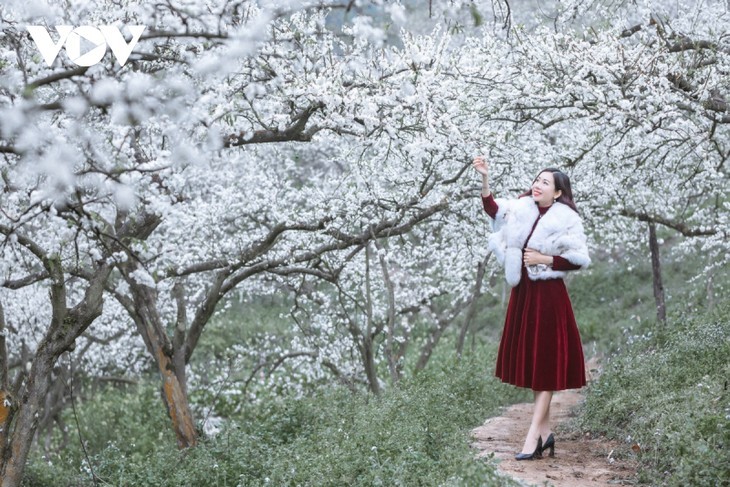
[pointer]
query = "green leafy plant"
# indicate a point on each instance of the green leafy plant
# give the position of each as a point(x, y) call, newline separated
point(666, 395)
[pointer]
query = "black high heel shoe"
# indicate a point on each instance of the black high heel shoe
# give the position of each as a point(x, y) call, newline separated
point(529, 456)
point(549, 443)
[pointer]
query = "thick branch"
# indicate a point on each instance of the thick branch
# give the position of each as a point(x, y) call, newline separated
point(26, 281)
point(294, 133)
point(204, 312)
point(390, 325)
point(386, 228)
point(8, 149)
point(255, 250)
point(687, 44)
point(178, 293)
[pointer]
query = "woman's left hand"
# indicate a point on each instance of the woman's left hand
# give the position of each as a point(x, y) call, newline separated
point(533, 257)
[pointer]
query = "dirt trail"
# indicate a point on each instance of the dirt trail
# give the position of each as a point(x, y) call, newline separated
point(578, 461)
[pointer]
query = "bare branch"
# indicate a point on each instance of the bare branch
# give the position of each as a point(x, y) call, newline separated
point(687, 44)
point(3, 354)
point(680, 227)
point(294, 133)
point(7, 149)
point(56, 77)
point(26, 281)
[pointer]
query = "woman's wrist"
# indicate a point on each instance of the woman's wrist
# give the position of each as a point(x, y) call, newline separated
point(485, 186)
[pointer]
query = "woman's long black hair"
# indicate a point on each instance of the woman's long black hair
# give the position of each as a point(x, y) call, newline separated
point(562, 183)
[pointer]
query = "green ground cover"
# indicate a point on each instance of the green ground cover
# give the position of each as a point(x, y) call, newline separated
point(413, 434)
point(665, 396)
point(663, 389)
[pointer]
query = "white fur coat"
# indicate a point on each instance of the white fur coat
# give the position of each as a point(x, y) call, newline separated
point(559, 232)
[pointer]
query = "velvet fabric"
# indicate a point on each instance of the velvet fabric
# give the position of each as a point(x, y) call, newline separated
point(540, 346)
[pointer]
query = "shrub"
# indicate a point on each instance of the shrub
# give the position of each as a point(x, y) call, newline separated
point(131, 421)
point(668, 394)
point(415, 433)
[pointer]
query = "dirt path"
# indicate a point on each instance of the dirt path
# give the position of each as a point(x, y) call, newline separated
point(578, 461)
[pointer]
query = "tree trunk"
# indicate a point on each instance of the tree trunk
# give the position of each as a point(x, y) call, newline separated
point(472, 311)
point(149, 325)
point(5, 398)
point(26, 418)
point(390, 352)
point(173, 393)
point(656, 270)
point(368, 360)
point(371, 330)
point(710, 290)
point(66, 325)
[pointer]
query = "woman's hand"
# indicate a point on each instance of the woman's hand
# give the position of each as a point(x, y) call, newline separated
point(481, 166)
point(533, 257)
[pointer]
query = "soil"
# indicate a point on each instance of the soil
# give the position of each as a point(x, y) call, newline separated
point(579, 461)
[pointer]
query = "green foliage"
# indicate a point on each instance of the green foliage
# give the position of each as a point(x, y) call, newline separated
point(668, 392)
point(611, 298)
point(131, 421)
point(413, 434)
point(615, 297)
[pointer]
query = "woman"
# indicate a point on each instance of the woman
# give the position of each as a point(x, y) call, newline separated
point(538, 238)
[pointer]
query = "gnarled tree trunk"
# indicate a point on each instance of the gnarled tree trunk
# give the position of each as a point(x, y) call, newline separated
point(171, 364)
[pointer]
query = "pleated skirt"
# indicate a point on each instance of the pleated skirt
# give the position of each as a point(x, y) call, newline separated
point(540, 346)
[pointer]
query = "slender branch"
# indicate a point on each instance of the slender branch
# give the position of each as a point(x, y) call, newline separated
point(121, 380)
point(680, 227)
point(471, 312)
point(157, 34)
point(56, 77)
point(3, 353)
point(103, 341)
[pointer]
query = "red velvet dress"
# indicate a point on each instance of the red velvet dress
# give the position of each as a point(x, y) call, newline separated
point(540, 346)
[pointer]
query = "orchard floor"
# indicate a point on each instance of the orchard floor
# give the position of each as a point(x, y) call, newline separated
point(578, 462)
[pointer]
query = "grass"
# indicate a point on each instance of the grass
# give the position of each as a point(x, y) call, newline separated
point(663, 390)
point(666, 395)
point(413, 434)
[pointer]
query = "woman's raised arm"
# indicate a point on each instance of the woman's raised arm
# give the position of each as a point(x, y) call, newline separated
point(481, 166)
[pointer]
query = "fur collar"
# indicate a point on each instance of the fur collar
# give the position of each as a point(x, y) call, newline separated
point(559, 231)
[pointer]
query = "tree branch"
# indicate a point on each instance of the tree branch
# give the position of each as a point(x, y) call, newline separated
point(56, 77)
point(680, 227)
point(294, 133)
point(26, 281)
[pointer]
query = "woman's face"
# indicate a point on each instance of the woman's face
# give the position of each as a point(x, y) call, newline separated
point(543, 189)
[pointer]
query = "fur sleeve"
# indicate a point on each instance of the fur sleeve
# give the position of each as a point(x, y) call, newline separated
point(505, 208)
point(573, 247)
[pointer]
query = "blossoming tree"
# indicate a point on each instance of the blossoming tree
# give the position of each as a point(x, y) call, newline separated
point(247, 147)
